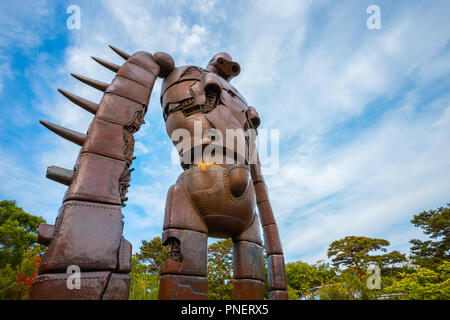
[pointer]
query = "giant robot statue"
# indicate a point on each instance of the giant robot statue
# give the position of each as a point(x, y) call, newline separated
point(216, 195)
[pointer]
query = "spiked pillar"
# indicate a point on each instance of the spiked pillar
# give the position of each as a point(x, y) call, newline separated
point(87, 235)
point(87, 105)
point(72, 136)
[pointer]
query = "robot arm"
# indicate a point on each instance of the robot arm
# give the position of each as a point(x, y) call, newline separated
point(87, 236)
point(274, 251)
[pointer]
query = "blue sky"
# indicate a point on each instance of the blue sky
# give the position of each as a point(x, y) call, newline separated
point(363, 115)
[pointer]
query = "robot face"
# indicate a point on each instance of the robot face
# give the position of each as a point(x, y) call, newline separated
point(222, 65)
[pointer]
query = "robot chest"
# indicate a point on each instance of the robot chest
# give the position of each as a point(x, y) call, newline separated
point(201, 95)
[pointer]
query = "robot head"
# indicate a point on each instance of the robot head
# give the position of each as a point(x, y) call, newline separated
point(222, 65)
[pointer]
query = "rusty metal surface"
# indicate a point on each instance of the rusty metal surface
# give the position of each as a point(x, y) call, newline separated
point(251, 234)
point(112, 109)
point(105, 139)
point(88, 229)
point(275, 259)
point(272, 240)
point(278, 295)
point(87, 235)
point(210, 198)
point(45, 233)
point(248, 289)
point(118, 287)
point(180, 212)
point(210, 191)
point(68, 134)
point(265, 213)
point(60, 175)
point(96, 179)
point(192, 248)
point(124, 257)
point(277, 280)
point(53, 286)
point(180, 287)
point(248, 261)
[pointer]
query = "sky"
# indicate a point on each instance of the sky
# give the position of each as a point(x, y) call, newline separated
point(363, 115)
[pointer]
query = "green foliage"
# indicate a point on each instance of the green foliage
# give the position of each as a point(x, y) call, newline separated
point(436, 224)
point(144, 286)
point(266, 282)
point(9, 288)
point(424, 284)
point(352, 253)
point(292, 293)
point(220, 265)
point(152, 254)
point(136, 266)
point(145, 268)
point(15, 282)
point(347, 286)
point(18, 233)
point(390, 263)
point(302, 276)
point(19, 252)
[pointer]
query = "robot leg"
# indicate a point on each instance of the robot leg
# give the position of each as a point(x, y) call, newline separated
point(248, 264)
point(184, 275)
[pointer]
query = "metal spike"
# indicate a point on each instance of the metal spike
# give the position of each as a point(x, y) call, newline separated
point(73, 136)
point(60, 175)
point(87, 105)
point(91, 82)
point(109, 65)
point(120, 52)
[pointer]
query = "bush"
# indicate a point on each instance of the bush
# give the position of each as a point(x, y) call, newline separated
point(15, 283)
point(144, 286)
point(302, 276)
point(424, 284)
point(348, 286)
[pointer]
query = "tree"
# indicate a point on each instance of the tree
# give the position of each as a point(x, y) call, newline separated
point(145, 267)
point(347, 286)
point(436, 224)
point(15, 283)
point(302, 276)
point(424, 284)
point(352, 253)
point(390, 263)
point(18, 233)
point(152, 254)
point(220, 270)
point(143, 286)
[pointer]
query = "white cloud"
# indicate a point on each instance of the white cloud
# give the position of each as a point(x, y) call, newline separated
point(307, 78)
point(379, 179)
point(140, 148)
point(24, 184)
point(205, 6)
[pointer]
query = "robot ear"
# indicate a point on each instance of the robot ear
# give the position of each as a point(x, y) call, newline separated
point(230, 68)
